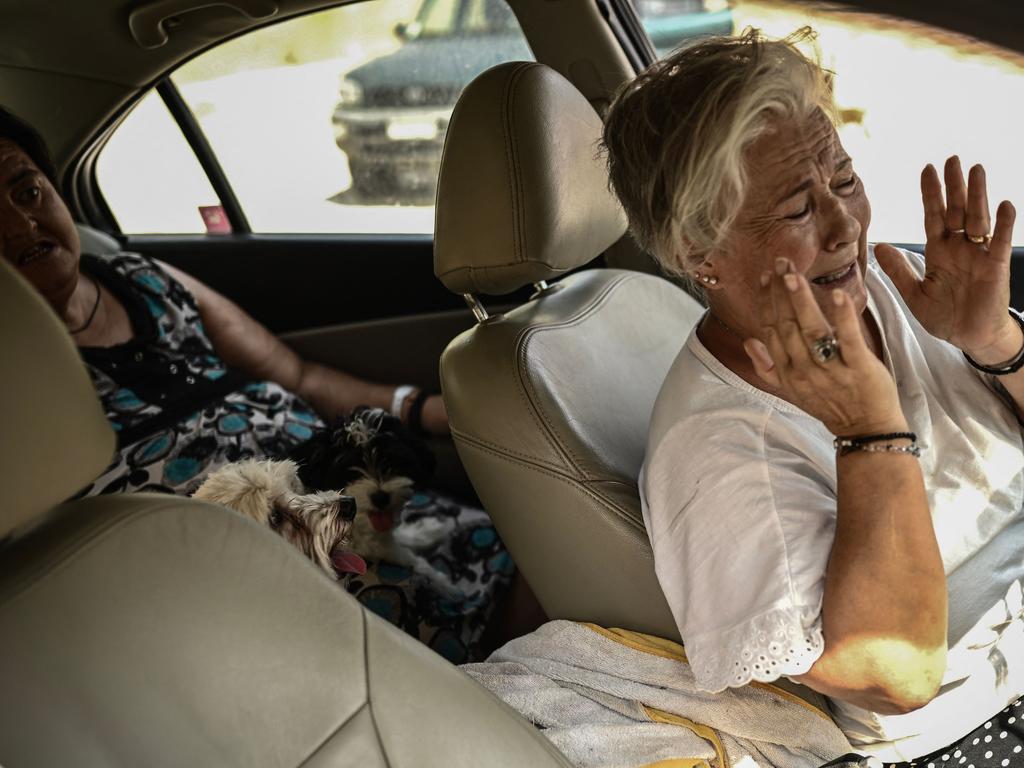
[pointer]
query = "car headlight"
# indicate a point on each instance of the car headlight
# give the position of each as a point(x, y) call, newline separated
point(350, 93)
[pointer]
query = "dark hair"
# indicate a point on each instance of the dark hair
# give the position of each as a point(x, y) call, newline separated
point(31, 142)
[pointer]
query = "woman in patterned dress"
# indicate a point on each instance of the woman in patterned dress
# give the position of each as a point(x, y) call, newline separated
point(189, 382)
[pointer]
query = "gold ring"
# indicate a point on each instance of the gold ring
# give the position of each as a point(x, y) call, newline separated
point(957, 231)
point(978, 239)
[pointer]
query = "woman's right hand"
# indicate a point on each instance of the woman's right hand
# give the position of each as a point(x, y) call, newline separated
point(853, 393)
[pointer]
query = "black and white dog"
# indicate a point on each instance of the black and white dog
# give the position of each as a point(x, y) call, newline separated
point(368, 457)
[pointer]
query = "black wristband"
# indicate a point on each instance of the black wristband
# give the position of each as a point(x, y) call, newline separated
point(415, 420)
point(1012, 366)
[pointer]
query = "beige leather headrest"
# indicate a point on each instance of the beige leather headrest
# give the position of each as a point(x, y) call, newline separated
point(55, 436)
point(523, 192)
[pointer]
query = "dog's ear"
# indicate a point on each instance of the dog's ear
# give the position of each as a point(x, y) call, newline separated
point(402, 453)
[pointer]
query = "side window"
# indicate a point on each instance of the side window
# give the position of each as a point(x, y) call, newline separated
point(148, 151)
point(334, 122)
point(892, 86)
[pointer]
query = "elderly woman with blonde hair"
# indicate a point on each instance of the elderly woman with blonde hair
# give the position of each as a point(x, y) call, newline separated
point(834, 478)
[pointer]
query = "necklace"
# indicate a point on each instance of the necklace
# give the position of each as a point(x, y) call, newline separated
point(92, 312)
point(722, 323)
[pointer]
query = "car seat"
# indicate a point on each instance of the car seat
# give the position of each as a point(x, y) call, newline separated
point(154, 630)
point(549, 403)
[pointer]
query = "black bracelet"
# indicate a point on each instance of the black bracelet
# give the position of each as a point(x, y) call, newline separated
point(1014, 364)
point(847, 445)
point(415, 420)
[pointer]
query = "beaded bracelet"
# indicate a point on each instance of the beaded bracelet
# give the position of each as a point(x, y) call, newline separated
point(1012, 365)
point(911, 449)
point(870, 443)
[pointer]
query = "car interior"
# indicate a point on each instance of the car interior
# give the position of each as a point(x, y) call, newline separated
point(146, 630)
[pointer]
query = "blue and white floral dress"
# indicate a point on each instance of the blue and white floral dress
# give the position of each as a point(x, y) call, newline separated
point(180, 412)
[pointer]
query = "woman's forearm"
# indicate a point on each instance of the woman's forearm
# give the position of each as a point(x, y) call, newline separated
point(333, 393)
point(247, 345)
point(884, 607)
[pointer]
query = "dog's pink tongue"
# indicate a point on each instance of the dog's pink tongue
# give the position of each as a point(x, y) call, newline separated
point(382, 521)
point(348, 562)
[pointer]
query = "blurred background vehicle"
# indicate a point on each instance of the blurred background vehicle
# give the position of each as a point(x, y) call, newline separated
point(393, 112)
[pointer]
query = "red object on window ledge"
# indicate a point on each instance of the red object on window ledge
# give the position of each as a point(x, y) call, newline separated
point(216, 220)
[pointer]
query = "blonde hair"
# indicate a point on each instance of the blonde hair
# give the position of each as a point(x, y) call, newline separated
point(676, 136)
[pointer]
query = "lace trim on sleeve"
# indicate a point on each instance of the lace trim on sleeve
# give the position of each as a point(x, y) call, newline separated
point(782, 641)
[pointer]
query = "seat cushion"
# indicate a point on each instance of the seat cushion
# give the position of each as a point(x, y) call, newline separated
point(158, 631)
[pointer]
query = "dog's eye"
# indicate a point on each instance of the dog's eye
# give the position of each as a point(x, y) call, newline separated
point(275, 519)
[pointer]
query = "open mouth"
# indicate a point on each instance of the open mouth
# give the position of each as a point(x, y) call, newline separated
point(36, 252)
point(838, 278)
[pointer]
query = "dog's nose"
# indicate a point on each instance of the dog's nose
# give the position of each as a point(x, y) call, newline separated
point(380, 499)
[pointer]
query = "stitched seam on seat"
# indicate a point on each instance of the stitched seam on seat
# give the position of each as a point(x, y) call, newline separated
point(534, 403)
point(331, 735)
point(514, 263)
point(369, 688)
point(76, 546)
point(525, 457)
point(508, 139)
point(515, 175)
point(571, 481)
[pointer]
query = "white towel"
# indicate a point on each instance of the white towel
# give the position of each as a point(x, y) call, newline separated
point(615, 699)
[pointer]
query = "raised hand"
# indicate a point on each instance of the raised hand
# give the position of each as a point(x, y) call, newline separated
point(852, 393)
point(965, 292)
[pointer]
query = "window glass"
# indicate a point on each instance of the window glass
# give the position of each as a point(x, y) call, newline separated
point(151, 179)
point(437, 17)
point(908, 95)
point(334, 122)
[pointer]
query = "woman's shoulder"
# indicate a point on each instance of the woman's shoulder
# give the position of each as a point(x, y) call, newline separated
point(144, 276)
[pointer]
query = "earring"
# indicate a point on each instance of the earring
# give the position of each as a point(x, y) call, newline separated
point(707, 279)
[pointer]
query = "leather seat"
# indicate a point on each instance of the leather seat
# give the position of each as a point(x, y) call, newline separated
point(550, 402)
point(160, 631)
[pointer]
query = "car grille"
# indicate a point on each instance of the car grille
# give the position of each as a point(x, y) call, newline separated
point(411, 96)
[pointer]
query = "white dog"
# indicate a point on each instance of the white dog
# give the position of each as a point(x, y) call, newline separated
point(319, 523)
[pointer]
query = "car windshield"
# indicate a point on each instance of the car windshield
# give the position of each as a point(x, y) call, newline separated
point(447, 18)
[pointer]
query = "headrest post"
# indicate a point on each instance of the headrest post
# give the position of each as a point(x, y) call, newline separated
point(478, 309)
point(540, 288)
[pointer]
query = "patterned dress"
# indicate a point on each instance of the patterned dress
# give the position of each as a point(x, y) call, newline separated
point(180, 412)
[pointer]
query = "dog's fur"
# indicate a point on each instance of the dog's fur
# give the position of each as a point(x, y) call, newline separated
point(368, 456)
point(271, 493)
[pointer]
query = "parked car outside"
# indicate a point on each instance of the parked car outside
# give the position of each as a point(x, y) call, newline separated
point(393, 112)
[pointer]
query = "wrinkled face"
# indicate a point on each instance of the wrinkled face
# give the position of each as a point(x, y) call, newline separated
point(805, 203)
point(37, 234)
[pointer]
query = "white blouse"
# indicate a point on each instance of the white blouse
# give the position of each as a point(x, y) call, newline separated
point(739, 494)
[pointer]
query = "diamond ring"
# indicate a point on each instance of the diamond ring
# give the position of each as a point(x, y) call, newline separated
point(825, 349)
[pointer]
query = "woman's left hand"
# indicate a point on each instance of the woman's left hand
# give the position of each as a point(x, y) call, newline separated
point(965, 292)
